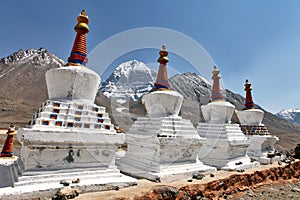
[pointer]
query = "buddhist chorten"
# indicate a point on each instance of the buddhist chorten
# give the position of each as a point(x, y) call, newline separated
point(71, 137)
point(261, 142)
point(162, 146)
point(10, 168)
point(225, 143)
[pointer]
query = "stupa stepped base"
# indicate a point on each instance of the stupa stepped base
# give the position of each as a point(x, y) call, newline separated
point(221, 131)
point(163, 126)
point(225, 147)
point(47, 183)
point(261, 146)
point(162, 149)
point(56, 149)
point(167, 173)
point(67, 114)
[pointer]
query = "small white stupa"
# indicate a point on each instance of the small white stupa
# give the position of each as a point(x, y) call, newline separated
point(225, 146)
point(261, 141)
point(162, 146)
point(70, 137)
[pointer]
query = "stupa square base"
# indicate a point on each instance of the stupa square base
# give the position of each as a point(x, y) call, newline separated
point(47, 183)
point(56, 149)
point(166, 173)
point(261, 146)
point(162, 149)
point(226, 155)
point(225, 147)
point(10, 171)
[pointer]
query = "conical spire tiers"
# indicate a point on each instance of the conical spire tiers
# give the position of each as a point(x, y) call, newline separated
point(216, 91)
point(249, 102)
point(162, 81)
point(79, 52)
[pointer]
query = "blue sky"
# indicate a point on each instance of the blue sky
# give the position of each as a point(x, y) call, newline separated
point(258, 40)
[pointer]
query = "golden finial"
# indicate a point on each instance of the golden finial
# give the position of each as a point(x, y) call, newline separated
point(82, 22)
point(163, 59)
point(216, 72)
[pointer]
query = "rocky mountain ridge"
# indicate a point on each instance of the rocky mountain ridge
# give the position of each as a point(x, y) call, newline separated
point(38, 57)
point(23, 86)
point(291, 115)
point(23, 89)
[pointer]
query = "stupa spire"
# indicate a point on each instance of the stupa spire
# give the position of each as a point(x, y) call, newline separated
point(249, 102)
point(79, 52)
point(162, 81)
point(216, 94)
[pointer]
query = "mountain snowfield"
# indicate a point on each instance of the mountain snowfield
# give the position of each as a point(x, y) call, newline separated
point(130, 80)
point(291, 115)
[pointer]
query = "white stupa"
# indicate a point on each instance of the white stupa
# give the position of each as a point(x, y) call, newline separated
point(261, 141)
point(162, 146)
point(70, 137)
point(225, 146)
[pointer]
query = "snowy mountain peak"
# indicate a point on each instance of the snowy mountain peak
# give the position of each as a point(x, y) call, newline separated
point(39, 57)
point(130, 79)
point(291, 115)
point(127, 67)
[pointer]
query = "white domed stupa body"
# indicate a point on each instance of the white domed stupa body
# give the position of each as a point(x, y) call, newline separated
point(251, 117)
point(218, 112)
point(72, 83)
point(162, 103)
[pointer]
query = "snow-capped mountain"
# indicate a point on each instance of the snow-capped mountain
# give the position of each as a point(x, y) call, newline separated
point(130, 79)
point(291, 115)
point(23, 89)
point(38, 57)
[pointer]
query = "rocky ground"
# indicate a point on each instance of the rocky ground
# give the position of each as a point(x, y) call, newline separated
point(268, 182)
point(280, 191)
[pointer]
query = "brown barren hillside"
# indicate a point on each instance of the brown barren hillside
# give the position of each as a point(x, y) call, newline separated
point(23, 89)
